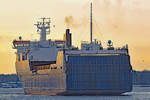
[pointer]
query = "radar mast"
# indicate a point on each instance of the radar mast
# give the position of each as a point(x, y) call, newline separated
point(43, 28)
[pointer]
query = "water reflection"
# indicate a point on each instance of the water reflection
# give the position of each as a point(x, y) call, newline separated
point(139, 93)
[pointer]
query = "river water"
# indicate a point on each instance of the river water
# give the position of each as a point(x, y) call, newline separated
point(138, 93)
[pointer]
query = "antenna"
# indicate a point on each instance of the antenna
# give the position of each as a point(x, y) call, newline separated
point(91, 24)
point(43, 27)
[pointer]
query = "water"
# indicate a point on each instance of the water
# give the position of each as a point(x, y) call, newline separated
point(139, 93)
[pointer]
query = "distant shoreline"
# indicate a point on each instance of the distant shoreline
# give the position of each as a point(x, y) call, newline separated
point(141, 85)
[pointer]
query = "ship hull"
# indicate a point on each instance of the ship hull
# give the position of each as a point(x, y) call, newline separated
point(83, 76)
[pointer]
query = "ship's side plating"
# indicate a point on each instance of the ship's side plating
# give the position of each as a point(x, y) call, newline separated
point(99, 74)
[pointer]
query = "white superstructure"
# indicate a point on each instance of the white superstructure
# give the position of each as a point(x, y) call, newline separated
point(43, 50)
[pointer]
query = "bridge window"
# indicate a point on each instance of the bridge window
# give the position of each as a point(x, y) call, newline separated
point(22, 45)
point(26, 45)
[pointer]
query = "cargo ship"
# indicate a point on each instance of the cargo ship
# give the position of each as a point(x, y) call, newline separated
point(56, 67)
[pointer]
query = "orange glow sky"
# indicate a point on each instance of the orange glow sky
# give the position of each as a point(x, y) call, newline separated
point(122, 21)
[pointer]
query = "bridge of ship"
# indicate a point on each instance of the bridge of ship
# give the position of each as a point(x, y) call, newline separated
point(29, 44)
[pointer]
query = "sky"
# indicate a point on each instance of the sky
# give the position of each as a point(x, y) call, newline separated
point(122, 21)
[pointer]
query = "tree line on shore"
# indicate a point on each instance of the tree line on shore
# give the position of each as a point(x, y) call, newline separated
point(139, 78)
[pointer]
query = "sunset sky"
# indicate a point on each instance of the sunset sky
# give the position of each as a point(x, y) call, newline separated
point(122, 21)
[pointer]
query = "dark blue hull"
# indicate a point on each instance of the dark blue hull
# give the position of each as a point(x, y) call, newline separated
point(104, 74)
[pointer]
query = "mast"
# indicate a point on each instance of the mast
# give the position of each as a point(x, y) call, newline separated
point(91, 24)
point(43, 27)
